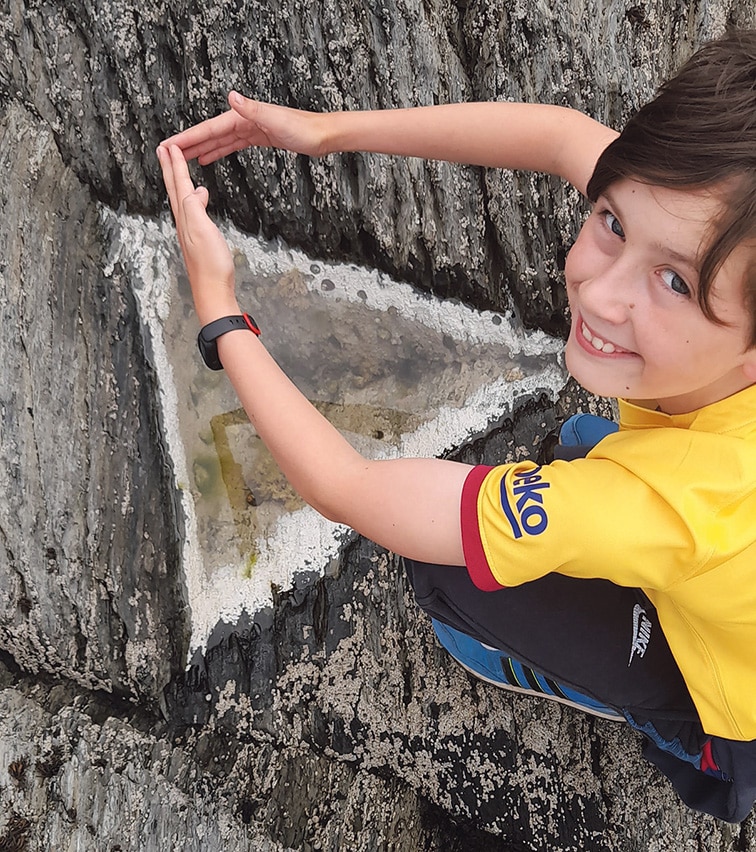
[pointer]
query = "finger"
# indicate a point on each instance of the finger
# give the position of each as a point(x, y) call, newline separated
point(203, 195)
point(181, 178)
point(166, 166)
point(195, 136)
point(246, 107)
point(210, 146)
point(193, 152)
point(195, 204)
point(221, 151)
point(194, 208)
point(177, 209)
point(203, 240)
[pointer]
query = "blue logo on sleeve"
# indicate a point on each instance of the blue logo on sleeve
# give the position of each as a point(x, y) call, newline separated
point(527, 515)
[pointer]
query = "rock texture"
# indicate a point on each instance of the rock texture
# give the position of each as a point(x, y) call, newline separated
point(92, 584)
point(331, 721)
point(110, 79)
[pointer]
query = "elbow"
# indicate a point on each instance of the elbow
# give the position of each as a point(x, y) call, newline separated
point(334, 508)
point(329, 512)
point(338, 496)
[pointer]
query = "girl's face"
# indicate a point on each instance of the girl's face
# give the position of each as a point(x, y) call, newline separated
point(637, 330)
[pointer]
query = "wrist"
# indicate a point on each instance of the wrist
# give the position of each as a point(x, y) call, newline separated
point(213, 309)
point(328, 126)
point(207, 339)
point(344, 131)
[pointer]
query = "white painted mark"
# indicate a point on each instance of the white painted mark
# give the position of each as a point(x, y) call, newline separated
point(400, 373)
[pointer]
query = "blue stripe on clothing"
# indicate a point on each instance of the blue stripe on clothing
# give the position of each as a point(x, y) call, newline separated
point(507, 509)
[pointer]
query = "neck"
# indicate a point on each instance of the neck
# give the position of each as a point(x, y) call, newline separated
point(686, 403)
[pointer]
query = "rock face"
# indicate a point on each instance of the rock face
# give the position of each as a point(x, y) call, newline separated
point(93, 588)
point(111, 79)
point(330, 720)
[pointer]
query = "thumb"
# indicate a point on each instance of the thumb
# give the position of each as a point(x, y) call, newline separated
point(246, 107)
point(196, 202)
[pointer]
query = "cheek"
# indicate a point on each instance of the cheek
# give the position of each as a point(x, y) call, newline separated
point(570, 263)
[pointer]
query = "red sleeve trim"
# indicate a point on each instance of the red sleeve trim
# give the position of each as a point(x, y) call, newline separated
point(472, 546)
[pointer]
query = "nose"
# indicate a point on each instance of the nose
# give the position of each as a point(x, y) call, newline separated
point(607, 289)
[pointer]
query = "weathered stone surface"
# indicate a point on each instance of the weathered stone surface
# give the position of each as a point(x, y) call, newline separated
point(111, 79)
point(333, 720)
point(89, 557)
point(367, 737)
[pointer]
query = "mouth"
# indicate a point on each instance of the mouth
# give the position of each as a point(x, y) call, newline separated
point(593, 343)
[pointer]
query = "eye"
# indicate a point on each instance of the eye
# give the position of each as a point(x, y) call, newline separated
point(674, 282)
point(613, 223)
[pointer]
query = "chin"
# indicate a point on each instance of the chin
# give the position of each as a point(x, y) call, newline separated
point(586, 374)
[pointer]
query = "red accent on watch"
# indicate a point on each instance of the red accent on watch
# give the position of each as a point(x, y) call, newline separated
point(251, 325)
point(209, 334)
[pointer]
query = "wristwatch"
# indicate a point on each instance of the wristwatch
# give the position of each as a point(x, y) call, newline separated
point(209, 334)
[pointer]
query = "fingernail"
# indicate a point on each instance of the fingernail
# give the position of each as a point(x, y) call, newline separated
point(237, 98)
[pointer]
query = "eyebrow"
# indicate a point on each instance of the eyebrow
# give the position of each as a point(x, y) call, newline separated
point(693, 262)
point(689, 260)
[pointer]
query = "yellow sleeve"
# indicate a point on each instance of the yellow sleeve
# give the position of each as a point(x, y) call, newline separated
point(590, 517)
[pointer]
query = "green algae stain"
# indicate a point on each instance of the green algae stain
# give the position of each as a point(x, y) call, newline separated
point(249, 566)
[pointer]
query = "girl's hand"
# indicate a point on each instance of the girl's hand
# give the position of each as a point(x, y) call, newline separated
point(251, 122)
point(207, 257)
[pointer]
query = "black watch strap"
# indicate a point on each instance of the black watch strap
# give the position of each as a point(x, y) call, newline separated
point(209, 334)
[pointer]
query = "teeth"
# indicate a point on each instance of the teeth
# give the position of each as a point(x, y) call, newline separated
point(597, 342)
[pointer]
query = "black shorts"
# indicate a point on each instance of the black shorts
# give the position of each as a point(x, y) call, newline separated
point(598, 638)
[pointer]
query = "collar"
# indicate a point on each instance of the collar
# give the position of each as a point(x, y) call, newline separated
point(736, 413)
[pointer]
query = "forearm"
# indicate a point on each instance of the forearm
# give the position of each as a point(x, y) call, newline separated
point(533, 137)
point(307, 448)
point(410, 506)
point(407, 505)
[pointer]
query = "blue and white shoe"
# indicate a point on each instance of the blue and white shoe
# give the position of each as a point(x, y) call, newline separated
point(496, 668)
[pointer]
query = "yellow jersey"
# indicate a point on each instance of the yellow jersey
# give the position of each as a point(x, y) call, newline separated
point(666, 504)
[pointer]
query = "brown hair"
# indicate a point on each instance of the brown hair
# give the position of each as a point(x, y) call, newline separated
point(700, 131)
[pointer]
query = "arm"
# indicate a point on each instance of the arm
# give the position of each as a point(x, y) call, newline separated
point(410, 506)
point(534, 137)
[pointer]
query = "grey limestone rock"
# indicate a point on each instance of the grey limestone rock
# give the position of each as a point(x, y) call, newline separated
point(111, 79)
point(89, 532)
point(330, 720)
